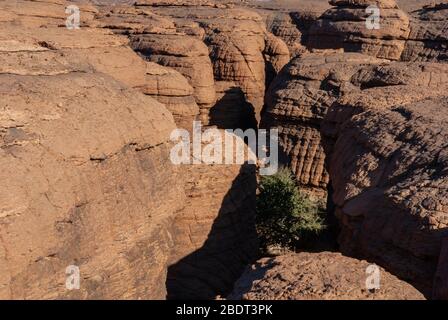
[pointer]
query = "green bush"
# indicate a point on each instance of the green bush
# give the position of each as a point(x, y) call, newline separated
point(285, 216)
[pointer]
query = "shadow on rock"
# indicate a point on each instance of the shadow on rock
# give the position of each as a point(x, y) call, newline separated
point(231, 245)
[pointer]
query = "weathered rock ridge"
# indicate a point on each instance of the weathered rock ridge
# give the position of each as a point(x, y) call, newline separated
point(336, 106)
point(87, 176)
point(296, 103)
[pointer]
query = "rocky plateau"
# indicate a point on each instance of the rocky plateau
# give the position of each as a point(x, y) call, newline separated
point(86, 121)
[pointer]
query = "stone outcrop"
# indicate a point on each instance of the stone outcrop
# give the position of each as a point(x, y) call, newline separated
point(109, 201)
point(185, 54)
point(296, 103)
point(172, 89)
point(344, 26)
point(419, 36)
point(85, 122)
point(428, 38)
point(36, 14)
point(317, 276)
point(132, 20)
point(241, 50)
point(390, 196)
point(103, 201)
point(292, 27)
point(377, 176)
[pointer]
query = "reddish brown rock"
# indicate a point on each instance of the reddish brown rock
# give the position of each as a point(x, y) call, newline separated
point(97, 201)
point(387, 168)
point(172, 89)
point(298, 100)
point(132, 20)
point(42, 13)
point(240, 48)
point(428, 38)
point(187, 55)
point(215, 234)
point(292, 27)
point(124, 139)
point(317, 276)
point(344, 26)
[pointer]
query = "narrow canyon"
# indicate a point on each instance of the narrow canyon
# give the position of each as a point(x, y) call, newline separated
point(86, 118)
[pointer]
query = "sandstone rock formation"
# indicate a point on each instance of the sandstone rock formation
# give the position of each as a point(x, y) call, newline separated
point(428, 37)
point(85, 123)
point(292, 27)
point(185, 54)
point(172, 89)
point(320, 95)
point(102, 201)
point(420, 36)
point(390, 196)
point(42, 13)
point(298, 100)
point(344, 26)
point(241, 50)
point(317, 276)
point(132, 20)
point(110, 200)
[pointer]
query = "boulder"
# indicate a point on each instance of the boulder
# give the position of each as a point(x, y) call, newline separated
point(318, 276)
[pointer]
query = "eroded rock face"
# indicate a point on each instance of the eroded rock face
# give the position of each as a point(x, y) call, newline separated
point(185, 54)
point(390, 195)
point(172, 89)
point(36, 14)
point(236, 49)
point(344, 26)
point(418, 37)
point(317, 276)
point(296, 103)
point(126, 19)
point(381, 170)
point(292, 27)
point(105, 209)
point(97, 201)
point(240, 49)
point(428, 38)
